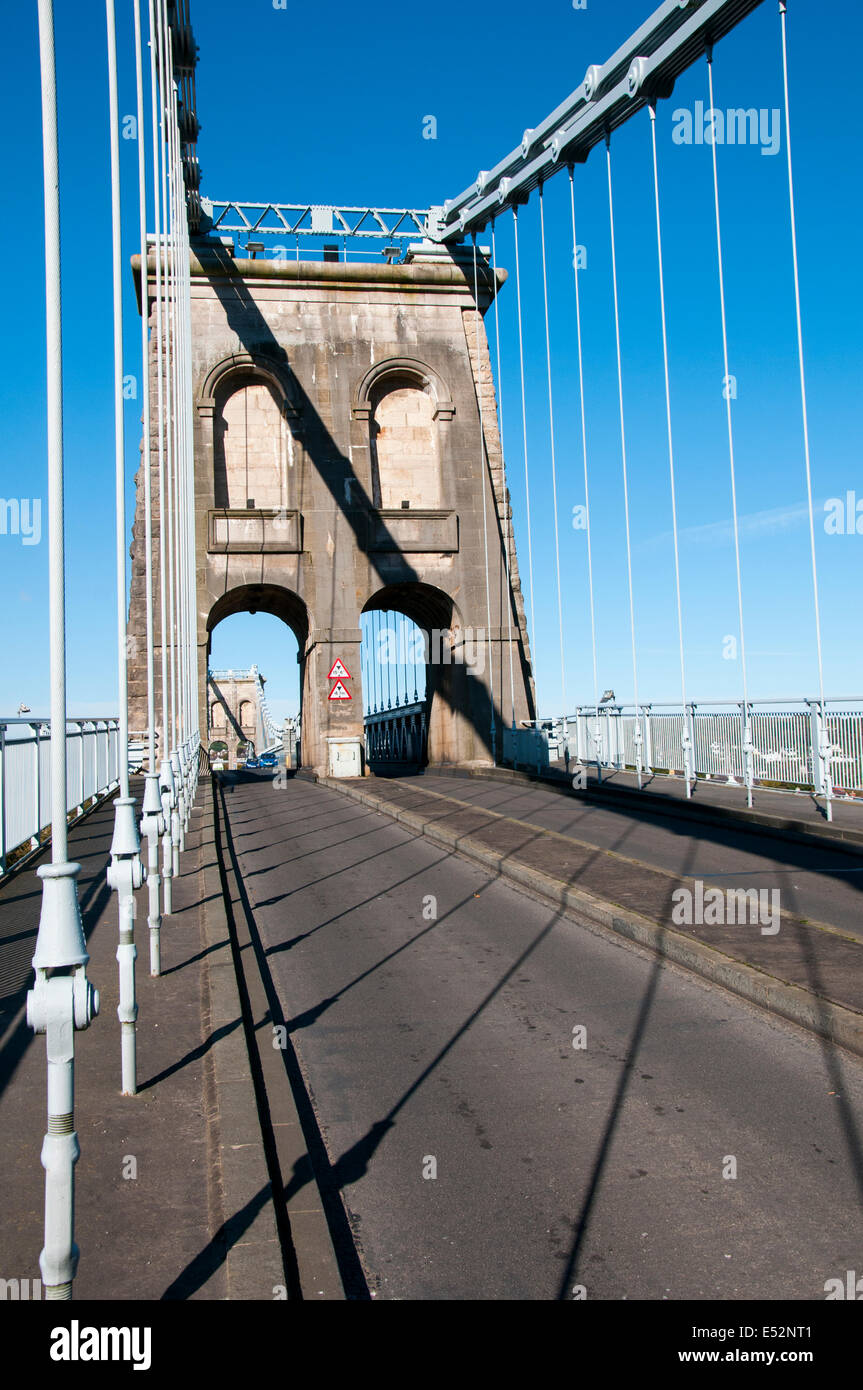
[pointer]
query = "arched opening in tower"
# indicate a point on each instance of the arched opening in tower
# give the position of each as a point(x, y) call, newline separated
point(416, 685)
point(253, 691)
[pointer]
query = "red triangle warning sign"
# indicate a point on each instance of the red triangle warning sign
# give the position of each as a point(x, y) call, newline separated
point(339, 692)
point(339, 671)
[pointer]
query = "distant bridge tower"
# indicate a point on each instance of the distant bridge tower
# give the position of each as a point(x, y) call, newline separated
point(237, 711)
point(341, 469)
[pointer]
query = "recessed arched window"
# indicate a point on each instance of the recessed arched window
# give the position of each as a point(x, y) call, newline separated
point(404, 445)
point(247, 714)
point(250, 446)
point(217, 716)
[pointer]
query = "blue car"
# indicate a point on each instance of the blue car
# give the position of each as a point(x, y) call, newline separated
point(268, 760)
point(252, 762)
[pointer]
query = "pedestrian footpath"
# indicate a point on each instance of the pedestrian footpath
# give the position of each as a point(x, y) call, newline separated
point(146, 1195)
point(806, 971)
point(796, 814)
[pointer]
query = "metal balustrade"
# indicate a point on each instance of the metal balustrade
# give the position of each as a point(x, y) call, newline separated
point(92, 770)
point(398, 735)
point(785, 742)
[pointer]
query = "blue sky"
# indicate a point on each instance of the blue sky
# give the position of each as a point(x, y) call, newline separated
point(328, 105)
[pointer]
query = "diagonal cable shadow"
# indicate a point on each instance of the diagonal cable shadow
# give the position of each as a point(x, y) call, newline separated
point(315, 1163)
point(212, 1257)
point(353, 1164)
point(194, 1056)
point(324, 878)
point(582, 1223)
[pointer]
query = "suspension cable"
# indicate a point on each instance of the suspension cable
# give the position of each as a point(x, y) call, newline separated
point(175, 387)
point(623, 454)
point(727, 394)
point(686, 738)
point(553, 464)
point(168, 782)
point(584, 454)
point(524, 426)
point(57, 1006)
point(483, 461)
point(54, 427)
point(145, 373)
point(176, 414)
point(160, 383)
point(170, 412)
point(183, 430)
point(507, 519)
point(119, 433)
point(824, 753)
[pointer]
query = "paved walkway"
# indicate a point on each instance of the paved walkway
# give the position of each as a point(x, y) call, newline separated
point(609, 865)
point(795, 809)
point(146, 1206)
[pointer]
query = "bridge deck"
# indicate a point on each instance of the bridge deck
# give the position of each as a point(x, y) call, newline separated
point(449, 1038)
point(430, 1006)
point(635, 862)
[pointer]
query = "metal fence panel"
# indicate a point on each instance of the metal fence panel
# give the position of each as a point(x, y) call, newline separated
point(19, 774)
point(782, 740)
point(845, 730)
point(92, 760)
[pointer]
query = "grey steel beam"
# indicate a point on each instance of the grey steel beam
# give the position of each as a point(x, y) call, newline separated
point(642, 70)
point(312, 219)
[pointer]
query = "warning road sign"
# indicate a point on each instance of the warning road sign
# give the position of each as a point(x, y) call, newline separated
point(339, 692)
point(339, 671)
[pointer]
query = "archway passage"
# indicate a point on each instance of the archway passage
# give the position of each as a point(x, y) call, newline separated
point(423, 677)
point(253, 676)
point(395, 705)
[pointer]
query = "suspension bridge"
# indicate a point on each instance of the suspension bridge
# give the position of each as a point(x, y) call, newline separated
point(624, 902)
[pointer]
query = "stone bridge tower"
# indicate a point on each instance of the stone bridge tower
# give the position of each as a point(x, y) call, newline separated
point(235, 716)
point(340, 468)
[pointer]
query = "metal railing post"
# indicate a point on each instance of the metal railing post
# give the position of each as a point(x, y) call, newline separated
point(168, 799)
point(688, 732)
point(638, 741)
point(62, 1000)
point(648, 742)
point(34, 841)
point(825, 755)
point(83, 761)
point(748, 749)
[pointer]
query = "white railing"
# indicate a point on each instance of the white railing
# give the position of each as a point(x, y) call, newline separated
point(784, 741)
point(92, 769)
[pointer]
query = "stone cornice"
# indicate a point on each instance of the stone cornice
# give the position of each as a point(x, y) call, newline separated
point(211, 264)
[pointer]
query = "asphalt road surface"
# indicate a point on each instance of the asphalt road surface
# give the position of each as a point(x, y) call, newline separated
point(815, 882)
point(480, 1153)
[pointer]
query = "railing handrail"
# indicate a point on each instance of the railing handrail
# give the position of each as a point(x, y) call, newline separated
point(70, 719)
point(792, 700)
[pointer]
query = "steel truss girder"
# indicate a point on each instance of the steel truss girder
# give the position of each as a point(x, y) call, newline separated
point(312, 219)
point(642, 70)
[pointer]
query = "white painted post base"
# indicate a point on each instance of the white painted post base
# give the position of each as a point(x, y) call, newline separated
point(58, 1006)
point(152, 827)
